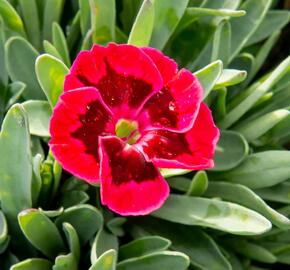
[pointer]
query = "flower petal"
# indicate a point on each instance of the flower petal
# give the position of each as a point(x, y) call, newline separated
point(130, 185)
point(77, 121)
point(191, 150)
point(175, 107)
point(166, 66)
point(125, 76)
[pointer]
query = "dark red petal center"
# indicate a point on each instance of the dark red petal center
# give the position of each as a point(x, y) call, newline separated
point(93, 125)
point(133, 90)
point(128, 164)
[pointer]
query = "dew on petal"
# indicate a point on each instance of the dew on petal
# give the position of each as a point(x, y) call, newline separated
point(172, 106)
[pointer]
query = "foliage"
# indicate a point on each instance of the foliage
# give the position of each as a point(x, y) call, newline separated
point(234, 216)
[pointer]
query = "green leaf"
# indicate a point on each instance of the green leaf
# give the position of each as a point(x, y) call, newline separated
point(263, 169)
point(231, 150)
point(220, 109)
point(73, 35)
point(50, 74)
point(143, 246)
point(31, 21)
point(103, 13)
point(115, 226)
point(11, 18)
point(209, 75)
point(262, 55)
point(204, 253)
point(20, 57)
point(244, 27)
point(251, 250)
point(160, 260)
point(198, 184)
point(59, 42)
point(248, 198)
point(246, 62)
point(237, 112)
point(76, 215)
point(50, 49)
point(252, 130)
point(167, 16)
point(71, 260)
point(72, 239)
point(222, 42)
point(192, 14)
point(107, 261)
point(41, 232)
point(225, 216)
point(3, 72)
point(52, 213)
point(230, 77)
point(85, 16)
point(3, 229)
point(141, 32)
point(33, 264)
point(65, 262)
point(273, 21)
point(36, 179)
point(173, 172)
point(16, 89)
point(15, 166)
point(57, 173)
point(104, 241)
point(179, 183)
point(39, 113)
point(52, 13)
point(278, 193)
point(74, 197)
point(220, 12)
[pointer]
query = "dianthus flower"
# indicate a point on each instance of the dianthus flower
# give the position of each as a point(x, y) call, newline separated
point(125, 112)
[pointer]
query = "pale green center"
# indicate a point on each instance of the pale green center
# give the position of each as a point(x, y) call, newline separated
point(127, 130)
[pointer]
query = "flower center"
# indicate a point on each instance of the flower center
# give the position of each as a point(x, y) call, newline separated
point(127, 130)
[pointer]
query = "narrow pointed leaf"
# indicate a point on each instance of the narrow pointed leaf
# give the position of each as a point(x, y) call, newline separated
point(252, 130)
point(209, 75)
point(237, 112)
point(273, 21)
point(52, 13)
point(230, 77)
point(263, 169)
point(225, 216)
point(243, 28)
point(248, 198)
point(11, 18)
point(103, 13)
point(31, 21)
point(140, 34)
point(167, 16)
point(59, 42)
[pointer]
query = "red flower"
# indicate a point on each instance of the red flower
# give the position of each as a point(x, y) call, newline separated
point(125, 112)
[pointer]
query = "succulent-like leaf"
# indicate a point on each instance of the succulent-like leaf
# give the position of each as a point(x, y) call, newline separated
point(211, 213)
